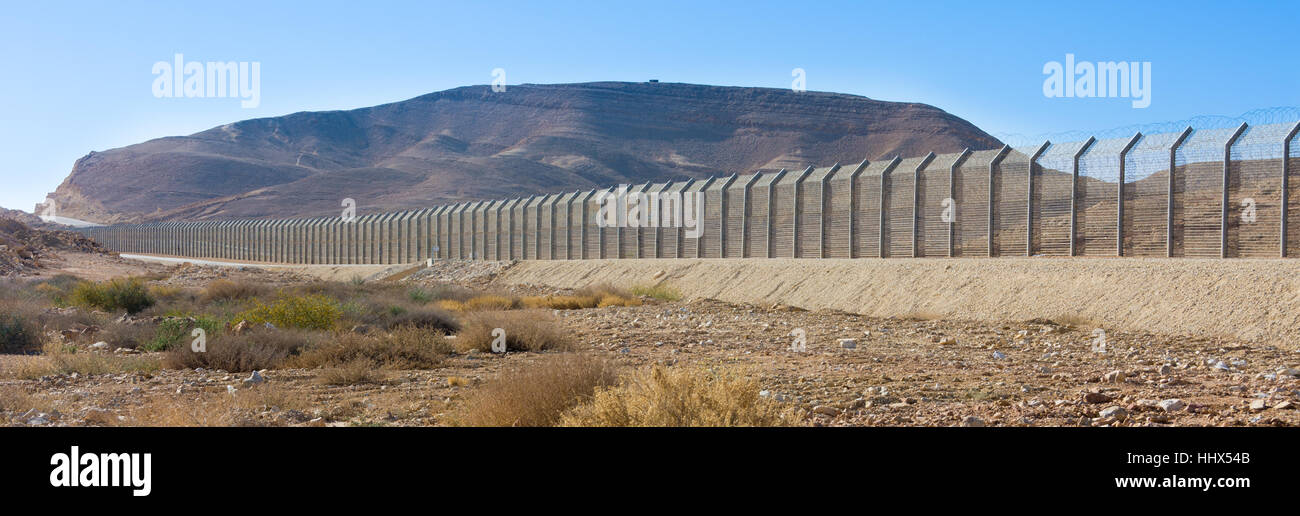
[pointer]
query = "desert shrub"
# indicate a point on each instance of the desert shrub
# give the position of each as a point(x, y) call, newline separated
point(130, 336)
point(250, 351)
point(61, 359)
point(420, 295)
point(662, 397)
point(490, 302)
point(165, 292)
point(17, 334)
point(425, 318)
point(127, 294)
point(226, 290)
point(405, 348)
point(612, 300)
point(313, 312)
point(451, 305)
point(600, 290)
point(180, 329)
point(359, 371)
point(661, 291)
point(58, 289)
point(536, 394)
point(561, 302)
point(526, 330)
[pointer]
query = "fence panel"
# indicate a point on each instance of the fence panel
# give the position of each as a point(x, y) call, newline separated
point(1255, 192)
point(1146, 195)
point(970, 228)
point(932, 189)
point(839, 210)
point(869, 210)
point(1097, 206)
point(1198, 191)
point(1051, 199)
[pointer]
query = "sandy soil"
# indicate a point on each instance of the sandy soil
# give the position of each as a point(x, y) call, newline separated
point(1257, 300)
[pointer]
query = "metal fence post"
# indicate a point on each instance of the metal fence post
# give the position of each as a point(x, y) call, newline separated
point(745, 214)
point(1029, 198)
point(884, 197)
point(1074, 192)
point(771, 210)
point(1119, 208)
point(853, 208)
point(1227, 165)
point(821, 214)
point(1169, 202)
point(995, 166)
point(916, 199)
point(952, 196)
point(1286, 182)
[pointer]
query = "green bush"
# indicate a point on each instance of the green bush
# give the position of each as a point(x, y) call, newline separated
point(173, 331)
point(16, 335)
point(127, 294)
point(312, 312)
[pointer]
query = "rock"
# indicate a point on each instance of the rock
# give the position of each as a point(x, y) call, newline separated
point(254, 379)
point(947, 341)
point(363, 329)
point(1114, 411)
point(1165, 370)
point(1285, 405)
point(229, 388)
point(99, 345)
point(848, 343)
point(38, 420)
point(1258, 405)
point(1096, 397)
point(826, 410)
point(1172, 405)
point(659, 274)
point(239, 328)
point(972, 422)
point(998, 355)
point(1113, 377)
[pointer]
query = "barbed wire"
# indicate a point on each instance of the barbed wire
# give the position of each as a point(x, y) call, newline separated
point(1262, 116)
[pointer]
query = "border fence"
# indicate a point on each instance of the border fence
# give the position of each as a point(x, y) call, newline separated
point(1195, 193)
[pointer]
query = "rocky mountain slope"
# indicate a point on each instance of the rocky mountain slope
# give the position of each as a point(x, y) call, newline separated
point(473, 143)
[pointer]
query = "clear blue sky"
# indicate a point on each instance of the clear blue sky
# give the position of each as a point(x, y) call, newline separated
point(77, 76)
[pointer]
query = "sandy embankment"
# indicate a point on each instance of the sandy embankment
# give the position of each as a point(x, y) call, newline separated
point(1256, 300)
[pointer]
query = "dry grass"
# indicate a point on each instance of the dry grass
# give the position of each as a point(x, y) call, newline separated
point(490, 302)
point(451, 305)
point(216, 409)
point(254, 350)
point(661, 291)
point(537, 394)
point(357, 371)
point(405, 348)
point(60, 359)
point(674, 397)
point(561, 302)
point(525, 330)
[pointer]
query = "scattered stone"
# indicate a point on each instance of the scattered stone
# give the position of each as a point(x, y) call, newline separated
point(948, 341)
point(240, 327)
point(1172, 405)
point(848, 343)
point(1165, 370)
point(99, 345)
point(826, 410)
point(1285, 405)
point(998, 355)
point(972, 422)
point(1096, 397)
point(1114, 411)
point(254, 379)
point(1258, 405)
point(1113, 377)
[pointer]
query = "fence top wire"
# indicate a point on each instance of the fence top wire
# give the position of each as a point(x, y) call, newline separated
point(1261, 142)
point(1022, 154)
point(907, 166)
point(657, 187)
point(942, 163)
point(1060, 156)
point(819, 174)
point(766, 179)
point(1204, 145)
point(980, 159)
point(1101, 160)
point(876, 168)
